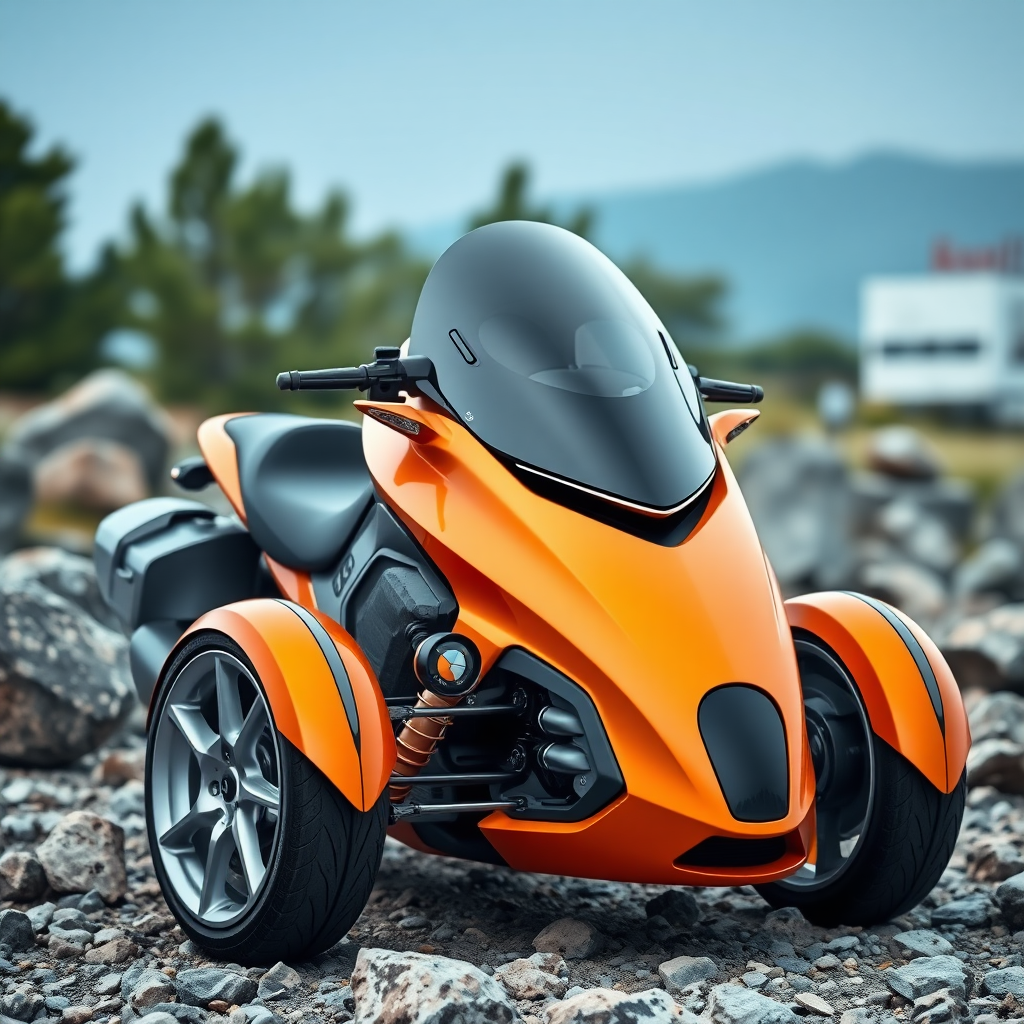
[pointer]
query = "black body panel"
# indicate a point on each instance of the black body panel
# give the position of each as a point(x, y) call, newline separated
point(304, 484)
point(386, 592)
point(746, 742)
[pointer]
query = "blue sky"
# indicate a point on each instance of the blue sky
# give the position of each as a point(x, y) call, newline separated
point(414, 107)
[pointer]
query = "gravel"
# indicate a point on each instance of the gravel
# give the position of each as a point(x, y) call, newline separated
point(552, 949)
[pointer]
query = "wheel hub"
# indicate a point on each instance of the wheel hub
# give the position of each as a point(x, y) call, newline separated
point(215, 787)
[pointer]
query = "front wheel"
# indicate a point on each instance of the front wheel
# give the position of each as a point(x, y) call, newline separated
point(884, 832)
point(260, 858)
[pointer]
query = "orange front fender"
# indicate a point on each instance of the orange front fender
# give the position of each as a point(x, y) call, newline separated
point(322, 692)
point(920, 715)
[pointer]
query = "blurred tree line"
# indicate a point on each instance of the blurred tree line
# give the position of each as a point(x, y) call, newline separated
point(230, 283)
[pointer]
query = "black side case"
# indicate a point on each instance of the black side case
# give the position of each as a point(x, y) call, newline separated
point(163, 562)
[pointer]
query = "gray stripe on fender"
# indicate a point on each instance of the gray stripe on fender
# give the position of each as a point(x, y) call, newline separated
point(334, 662)
point(916, 651)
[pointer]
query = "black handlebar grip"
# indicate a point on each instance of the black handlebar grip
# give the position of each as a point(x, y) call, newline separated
point(729, 391)
point(288, 381)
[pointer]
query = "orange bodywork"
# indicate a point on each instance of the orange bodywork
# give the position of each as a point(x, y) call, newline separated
point(645, 630)
point(304, 696)
point(888, 678)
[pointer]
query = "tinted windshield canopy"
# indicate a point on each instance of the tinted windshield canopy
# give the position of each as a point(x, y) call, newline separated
point(553, 358)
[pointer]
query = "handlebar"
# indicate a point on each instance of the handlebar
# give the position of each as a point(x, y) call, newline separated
point(728, 391)
point(388, 374)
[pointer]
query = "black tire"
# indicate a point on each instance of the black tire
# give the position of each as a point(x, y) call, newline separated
point(911, 831)
point(325, 856)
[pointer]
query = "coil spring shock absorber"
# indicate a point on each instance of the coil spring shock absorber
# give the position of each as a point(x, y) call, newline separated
point(448, 667)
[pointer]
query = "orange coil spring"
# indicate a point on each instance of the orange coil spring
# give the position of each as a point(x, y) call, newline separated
point(418, 740)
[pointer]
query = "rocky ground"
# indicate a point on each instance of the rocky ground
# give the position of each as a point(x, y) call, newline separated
point(450, 941)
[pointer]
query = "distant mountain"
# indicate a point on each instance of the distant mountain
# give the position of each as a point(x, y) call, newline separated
point(794, 241)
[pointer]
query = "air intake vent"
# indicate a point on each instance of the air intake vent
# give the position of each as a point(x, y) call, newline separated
point(727, 852)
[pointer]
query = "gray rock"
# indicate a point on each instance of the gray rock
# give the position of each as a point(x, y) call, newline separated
point(199, 986)
point(815, 1004)
point(85, 852)
point(987, 650)
point(1010, 897)
point(181, 1013)
point(998, 763)
point(151, 991)
point(938, 1008)
point(65, 685)
point(972, 911)
point(16, 931)
point(41, 916)
point(159, 1017)
point(134, 976)
point(91, 902)
point(279, 982)
point(107, 405)
point(904, 453)
point(419, 989)
point(677, 906)
point(540, 976)
point(996, 567)
point(994, 861)
point(797, 491)
point(733, 1004)
point(107, 985)
point(129, 799)
point(921, 942)
point(792, 964)
point(929, 974)
point(76, 936)
point(573, 939)
point(22, 1005)
point(607, 1006)
point(682, 971)
point(1008, 511)
point(1008, 981)
point(72, 577)
point(15, 496)
point(21, 876)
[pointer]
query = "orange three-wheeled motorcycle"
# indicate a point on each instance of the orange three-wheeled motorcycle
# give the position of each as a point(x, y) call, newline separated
point(521, 616)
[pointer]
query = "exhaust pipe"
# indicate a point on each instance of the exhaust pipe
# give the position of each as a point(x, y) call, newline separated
point(564, 758)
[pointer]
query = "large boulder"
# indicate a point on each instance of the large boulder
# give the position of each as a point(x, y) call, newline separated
point(419, 989)
point(65, 683)
point(15, 497)
point(93, 473)
point(71, 576)
point(797, 491)
point(107, 405)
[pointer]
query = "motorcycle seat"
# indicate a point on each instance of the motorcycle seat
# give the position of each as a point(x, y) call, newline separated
point(304, 485)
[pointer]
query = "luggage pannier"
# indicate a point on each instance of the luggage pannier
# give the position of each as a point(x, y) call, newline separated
point(162, 563)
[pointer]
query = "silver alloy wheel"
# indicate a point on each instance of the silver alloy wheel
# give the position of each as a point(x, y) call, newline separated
point(840, 737)
point(215, 787)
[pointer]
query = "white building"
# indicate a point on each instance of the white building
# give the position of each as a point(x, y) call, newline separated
point(945, 339)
